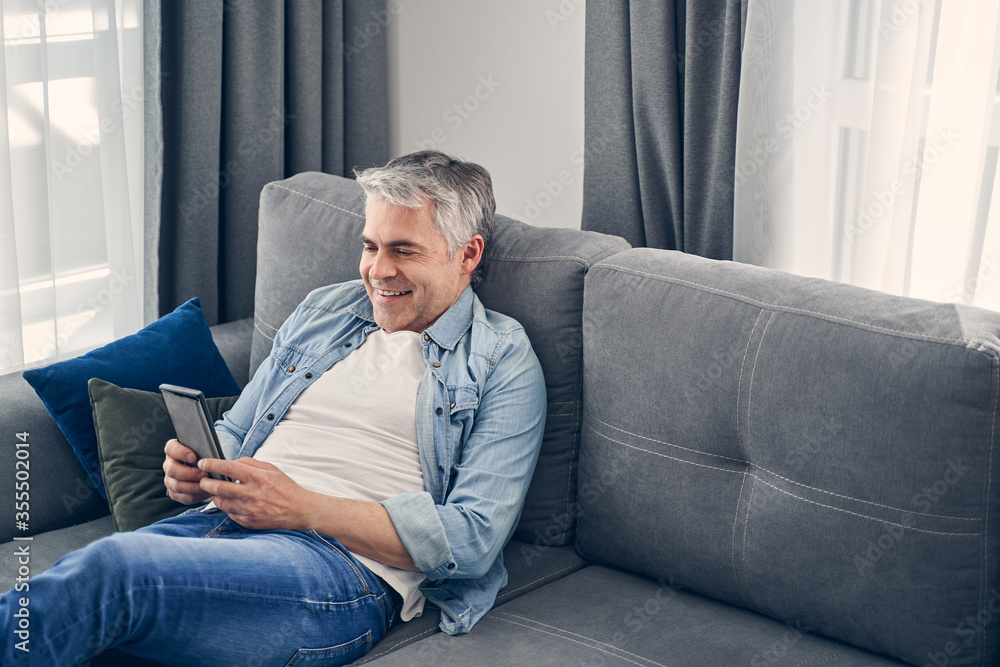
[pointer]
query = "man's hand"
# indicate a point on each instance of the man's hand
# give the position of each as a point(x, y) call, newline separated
point(268, 498)
point(264, 498)
point(182, 480)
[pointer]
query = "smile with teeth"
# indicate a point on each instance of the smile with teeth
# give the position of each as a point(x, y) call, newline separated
point(385, 292)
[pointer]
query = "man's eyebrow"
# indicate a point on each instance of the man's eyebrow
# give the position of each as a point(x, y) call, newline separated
point(402, 243)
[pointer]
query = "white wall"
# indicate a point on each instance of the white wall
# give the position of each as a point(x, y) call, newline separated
point(500, 83)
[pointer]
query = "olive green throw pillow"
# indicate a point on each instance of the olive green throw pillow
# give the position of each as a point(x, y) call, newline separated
point(132, 427)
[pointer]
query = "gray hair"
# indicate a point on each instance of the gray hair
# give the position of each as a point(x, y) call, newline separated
point(460, 192)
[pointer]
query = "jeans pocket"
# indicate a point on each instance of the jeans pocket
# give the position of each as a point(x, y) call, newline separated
point(333, 655)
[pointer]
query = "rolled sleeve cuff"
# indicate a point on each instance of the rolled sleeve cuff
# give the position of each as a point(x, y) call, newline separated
point(415, 518)
point(229, 443)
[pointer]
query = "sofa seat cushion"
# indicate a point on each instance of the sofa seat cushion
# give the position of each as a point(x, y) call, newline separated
point(529, 567)
point(47, 548)
point(601, 616)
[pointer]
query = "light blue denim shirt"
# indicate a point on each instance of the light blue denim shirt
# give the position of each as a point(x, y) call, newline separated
point(480, 416)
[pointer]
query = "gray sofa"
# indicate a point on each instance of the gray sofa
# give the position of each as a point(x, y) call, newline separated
point(739, 466)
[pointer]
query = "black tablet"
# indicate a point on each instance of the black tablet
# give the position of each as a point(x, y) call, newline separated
point(189, 413)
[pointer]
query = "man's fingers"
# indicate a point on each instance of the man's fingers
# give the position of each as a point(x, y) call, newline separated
point(233, 469)
point(254, 463)
point(177, 470)
point(242, 469)
point(187, 493)
point(222, 489)
point(185, 488)
point(176, 450)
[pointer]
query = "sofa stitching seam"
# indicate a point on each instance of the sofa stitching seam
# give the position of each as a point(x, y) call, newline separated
point(569, 632)
point(739, 389)
point(262, 332)
point(865, 516)
point(736, 519)
point(868, 502)
point(551, 574)
point(666, 456)
point(746, 524)
point(372, 656)
point(508, 258)
point(770, 472)
point(753, 373)
point(743, 297)
point(319, 201)
point(262, 321)
point(663, 442)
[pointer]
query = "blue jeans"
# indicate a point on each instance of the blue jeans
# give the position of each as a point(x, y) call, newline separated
point(199, 589)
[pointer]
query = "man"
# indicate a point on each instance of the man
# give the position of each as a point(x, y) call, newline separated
point(380, 459)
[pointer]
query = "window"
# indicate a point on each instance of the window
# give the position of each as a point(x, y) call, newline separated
point(70, 177)
point(867, 145)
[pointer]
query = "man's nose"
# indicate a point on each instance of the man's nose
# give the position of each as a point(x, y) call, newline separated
point(382, 267)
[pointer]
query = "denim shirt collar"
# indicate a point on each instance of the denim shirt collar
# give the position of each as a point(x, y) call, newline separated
point(446, 331)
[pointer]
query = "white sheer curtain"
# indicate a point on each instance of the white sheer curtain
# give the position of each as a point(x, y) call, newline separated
point(70, 177)
point(867, 144)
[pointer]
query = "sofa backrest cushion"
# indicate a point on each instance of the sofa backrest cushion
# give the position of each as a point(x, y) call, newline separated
point(820, 453)
point(309, 235)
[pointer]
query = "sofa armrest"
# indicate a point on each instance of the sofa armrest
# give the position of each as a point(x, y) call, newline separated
point(233, 340)
point(60, 493)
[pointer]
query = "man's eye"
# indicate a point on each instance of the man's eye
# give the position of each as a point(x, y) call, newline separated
point(403, 253)
point(369, 248)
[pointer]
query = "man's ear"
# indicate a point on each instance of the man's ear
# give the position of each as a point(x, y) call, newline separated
point(471, 253)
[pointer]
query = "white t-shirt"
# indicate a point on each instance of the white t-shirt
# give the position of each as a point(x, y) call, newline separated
point(353, 434)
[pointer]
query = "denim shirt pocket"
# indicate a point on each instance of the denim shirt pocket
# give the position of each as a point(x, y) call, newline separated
point(464, 397)
point(290, 359)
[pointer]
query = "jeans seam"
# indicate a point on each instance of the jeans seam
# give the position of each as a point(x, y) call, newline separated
point(347, 559)
point(215, 532)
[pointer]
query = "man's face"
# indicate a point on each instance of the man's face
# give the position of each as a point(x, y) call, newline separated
point(410, 276)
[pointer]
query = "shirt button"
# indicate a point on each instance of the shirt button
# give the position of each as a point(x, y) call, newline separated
point(440, 468)
point(309, 376)
point(437, 365)
point(451, 566)
point(426, 337)
point(439, 411)
point(348, 344)
point(453, 405)
point(270, 417)
point(291, 369)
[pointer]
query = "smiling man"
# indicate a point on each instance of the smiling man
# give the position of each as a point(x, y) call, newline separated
point(381, 455)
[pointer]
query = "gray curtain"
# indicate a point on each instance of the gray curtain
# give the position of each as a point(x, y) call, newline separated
point(661, 90)
point(241, 93)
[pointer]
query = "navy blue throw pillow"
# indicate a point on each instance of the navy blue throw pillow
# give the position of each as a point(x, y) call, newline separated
point(176, 349)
